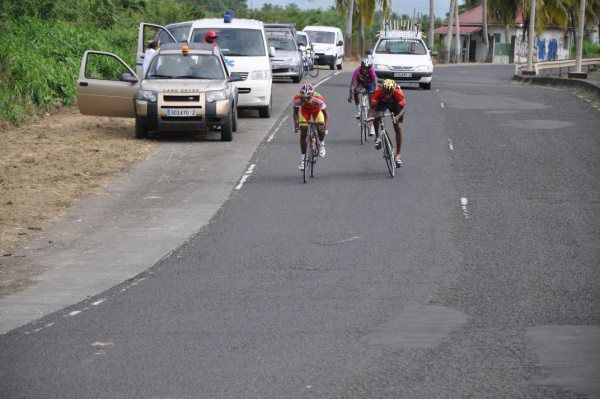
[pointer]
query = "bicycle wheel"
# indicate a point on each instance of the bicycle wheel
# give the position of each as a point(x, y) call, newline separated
point(307, 159)
point(314, 149)
point(313, 71)
point(388, 153)
point(363, 125)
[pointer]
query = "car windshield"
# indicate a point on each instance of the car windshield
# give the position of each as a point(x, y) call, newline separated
point(179, 66)
point(235, 42)
point(302, 40)
point(321, 37)
point(400, 46)
point(180, 33)
point(281, 43)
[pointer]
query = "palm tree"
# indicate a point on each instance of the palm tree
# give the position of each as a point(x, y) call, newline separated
point(348, 33)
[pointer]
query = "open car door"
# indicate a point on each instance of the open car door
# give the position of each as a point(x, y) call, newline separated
point(106, 85)
point(148, 33)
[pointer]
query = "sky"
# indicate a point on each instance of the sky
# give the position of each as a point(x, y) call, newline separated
point(399, 6)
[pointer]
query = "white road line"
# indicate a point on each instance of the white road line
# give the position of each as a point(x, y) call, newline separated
point(450, 145)
point(323, 81)
point(245, 176)
point(272, 136)
point(98, 302)
point(463, 203)
point(74, 313)
point(442, 104)
point(348, 239)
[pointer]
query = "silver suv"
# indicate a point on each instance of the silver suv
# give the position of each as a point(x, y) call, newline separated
point(186, 88)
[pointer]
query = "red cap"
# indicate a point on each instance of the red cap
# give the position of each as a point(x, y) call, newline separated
point(211, 33)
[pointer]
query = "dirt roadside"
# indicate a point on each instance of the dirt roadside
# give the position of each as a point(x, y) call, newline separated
point(48, 165)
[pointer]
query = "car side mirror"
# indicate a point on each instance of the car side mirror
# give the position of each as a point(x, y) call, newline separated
point(271, 52)
point(301, 48)
point(340, 43)
point(433, 53)
point(368, 52)
point(127, 77)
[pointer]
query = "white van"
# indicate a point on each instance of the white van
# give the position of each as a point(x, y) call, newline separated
point(328, 42)
point(244, 45)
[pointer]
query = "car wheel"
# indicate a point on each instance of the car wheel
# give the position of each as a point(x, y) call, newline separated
point(339, 67)
point(227, 129)
point(235, 118)
point(332, 66)
point(425, 86)
point(265, 112)
point(141, 131)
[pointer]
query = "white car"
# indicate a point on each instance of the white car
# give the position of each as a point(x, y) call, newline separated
point(244, 45)
point(403, 57)
point(328, 44)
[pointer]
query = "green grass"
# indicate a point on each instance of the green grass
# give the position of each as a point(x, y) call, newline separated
point(43, 42)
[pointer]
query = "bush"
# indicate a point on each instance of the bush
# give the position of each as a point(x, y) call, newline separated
point(43, 42)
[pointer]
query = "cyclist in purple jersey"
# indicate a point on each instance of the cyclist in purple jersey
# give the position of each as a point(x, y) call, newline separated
point(364, 77)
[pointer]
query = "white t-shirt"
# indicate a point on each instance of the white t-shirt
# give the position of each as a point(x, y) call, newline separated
point(148, 55)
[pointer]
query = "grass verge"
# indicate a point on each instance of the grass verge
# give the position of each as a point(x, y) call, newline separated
point(50, 164)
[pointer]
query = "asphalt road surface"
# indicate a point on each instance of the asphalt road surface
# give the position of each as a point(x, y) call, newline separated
point(473, 273)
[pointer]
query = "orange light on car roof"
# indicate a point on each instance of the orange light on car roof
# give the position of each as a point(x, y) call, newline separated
point(185, 49)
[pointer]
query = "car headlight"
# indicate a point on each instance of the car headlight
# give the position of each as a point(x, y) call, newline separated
point(260, 75)
point(423, 68)
point(212, 96)
point(147, 95)
point(382, 66)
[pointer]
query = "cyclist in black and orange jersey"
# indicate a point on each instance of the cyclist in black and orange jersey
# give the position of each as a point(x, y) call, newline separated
point(310, 106)
point(389, 96)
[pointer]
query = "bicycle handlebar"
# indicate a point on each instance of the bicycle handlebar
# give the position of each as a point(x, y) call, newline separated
point(379, 116)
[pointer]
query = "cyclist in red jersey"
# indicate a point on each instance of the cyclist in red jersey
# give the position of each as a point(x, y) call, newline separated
point(389, 96)
point(310, 106)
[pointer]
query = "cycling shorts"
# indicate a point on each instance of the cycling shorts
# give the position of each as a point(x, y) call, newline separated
point(310, 115)
point(394, 108)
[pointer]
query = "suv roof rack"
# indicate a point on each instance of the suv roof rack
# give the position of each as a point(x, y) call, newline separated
point(401, 28)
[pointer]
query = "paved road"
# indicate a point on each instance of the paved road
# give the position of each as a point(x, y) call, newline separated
point(473, 273)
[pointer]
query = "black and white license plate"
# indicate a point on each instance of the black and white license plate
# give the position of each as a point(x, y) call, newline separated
point(317, 56)
point(181, 112)
point(402, 75)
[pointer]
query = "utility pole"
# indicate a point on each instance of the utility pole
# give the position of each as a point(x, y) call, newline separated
point(580, 36)
point(530, 70)
point(457, 45)
point(484, 21)
point(449, 33)
point(431, 23)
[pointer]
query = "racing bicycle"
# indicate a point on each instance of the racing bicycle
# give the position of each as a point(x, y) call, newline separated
point(364, 110)
point(309, 67)
point(312, 151)
point(386, 143)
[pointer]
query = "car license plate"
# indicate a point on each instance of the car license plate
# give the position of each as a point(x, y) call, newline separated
point(181, 112)
point(316, 56)
point(402, 75)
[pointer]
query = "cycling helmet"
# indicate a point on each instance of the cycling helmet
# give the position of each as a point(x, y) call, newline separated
point(389, 85)
point(307, 90)
point(366, 63)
